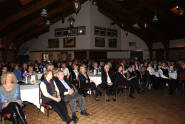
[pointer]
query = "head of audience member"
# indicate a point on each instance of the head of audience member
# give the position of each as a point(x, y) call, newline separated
point(24, 66)
point(70, 63)
point(82, 69)
point(163, 64)
point(55, 71)
point(102, 64)
point(36, 65)
point(183, 65)
point(150, 64)
point(63, 65)
point(16, 67)
point(60, 75)
point(48, 75)
point(30, 70)
point(95, 65)
point(58, 64)
point(4, 69)
point(120, 68)
point(50, 67)
point(75, 67)
point(136, 62)
point(110, 64)
point(8, 78)
point(106, 68)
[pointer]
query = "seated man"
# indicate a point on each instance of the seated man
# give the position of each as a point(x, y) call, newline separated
point(71, 95)
point(122, 80)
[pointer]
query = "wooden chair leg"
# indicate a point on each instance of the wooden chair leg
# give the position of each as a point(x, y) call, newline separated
point(47, 113)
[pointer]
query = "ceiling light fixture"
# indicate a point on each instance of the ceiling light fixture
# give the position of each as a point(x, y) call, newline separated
point(44, 13)
point(48, 22)
point(76, 5)
point(136, 25)
point(71, 21)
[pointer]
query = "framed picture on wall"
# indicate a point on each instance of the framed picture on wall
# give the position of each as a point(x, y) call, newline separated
point(69, 42)
point(112, 43)
point(99, 42)
point(53, 43)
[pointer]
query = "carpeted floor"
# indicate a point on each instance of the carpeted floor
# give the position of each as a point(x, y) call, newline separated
point(153, 107)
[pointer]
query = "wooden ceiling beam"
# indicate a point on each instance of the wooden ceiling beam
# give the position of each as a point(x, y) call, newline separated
point(30, 35)
point(143, 4)
point(36, 7)
point(126, 26)
point(53, 20)
point(9, 37)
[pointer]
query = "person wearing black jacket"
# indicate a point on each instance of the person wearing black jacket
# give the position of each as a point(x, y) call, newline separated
point(121, 79)
point(109, 83)
point(74, 76)
point(71, 95)
point(85, 82)
point(50, 94)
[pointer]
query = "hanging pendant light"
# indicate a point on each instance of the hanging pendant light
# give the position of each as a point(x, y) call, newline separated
point(145, 25)
point(48, 22)
point(136, 25)
point(71, 21)
point(155, 18)
point(44, 13)
point(76, 5)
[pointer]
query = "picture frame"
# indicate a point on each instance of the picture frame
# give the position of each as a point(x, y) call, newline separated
point(99, 42)
point(69, 42)
point(53, 43)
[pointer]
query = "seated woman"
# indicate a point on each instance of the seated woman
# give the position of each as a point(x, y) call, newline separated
point(10, 100)
point(85, 82)
point(121, 79)
point(50, 95)
point(31, 74)
point(109, 83)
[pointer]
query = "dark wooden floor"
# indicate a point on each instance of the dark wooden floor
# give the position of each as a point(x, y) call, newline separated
point(154, 107)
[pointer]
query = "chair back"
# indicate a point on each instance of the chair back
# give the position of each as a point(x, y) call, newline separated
point(182, 76)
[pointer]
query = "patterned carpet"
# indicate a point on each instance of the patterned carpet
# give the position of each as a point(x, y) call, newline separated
point(153, 107)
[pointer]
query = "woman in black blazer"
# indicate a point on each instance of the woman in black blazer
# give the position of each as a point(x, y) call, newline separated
point(85, 82)
point(121, 79)
point(109, 83)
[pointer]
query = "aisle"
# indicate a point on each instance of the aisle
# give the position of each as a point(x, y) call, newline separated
point(154, 107)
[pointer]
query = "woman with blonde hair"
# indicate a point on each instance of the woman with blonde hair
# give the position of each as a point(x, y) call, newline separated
point(10, 100)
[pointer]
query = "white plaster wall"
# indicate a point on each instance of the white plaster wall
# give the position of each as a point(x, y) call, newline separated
point(89, 17)
point(98, 19)
point(140, 44)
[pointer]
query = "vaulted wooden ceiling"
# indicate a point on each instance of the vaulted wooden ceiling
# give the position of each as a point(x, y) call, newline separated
point(20, 20)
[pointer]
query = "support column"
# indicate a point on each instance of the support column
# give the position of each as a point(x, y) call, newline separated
point(87, 54)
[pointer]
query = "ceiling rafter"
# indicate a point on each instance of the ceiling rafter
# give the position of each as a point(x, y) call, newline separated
point(118, 21)
point(31, 34)
point(26, 12)
point(9, 37)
